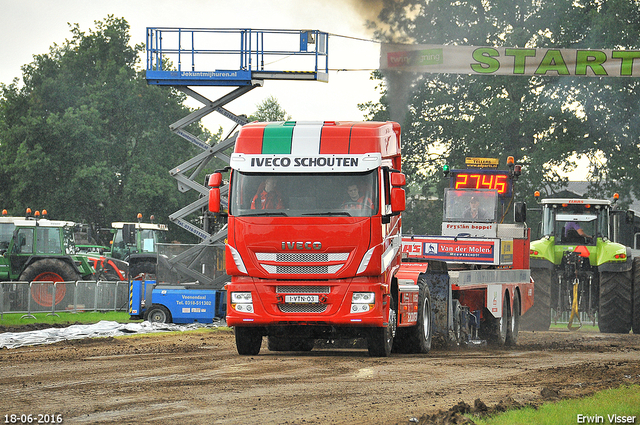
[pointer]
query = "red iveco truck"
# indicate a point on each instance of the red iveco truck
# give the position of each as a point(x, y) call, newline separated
point(314, 246)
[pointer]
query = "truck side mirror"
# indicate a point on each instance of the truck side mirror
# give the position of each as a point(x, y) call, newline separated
point(520, 212)
point(398, 200)
point(129, 234)
point(214, 200)
point(215, 181)
point(398, 179)
point(629, 217)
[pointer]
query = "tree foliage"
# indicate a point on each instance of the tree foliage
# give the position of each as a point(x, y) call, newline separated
point(542, 121)
point(86, 138)
point(269, 110)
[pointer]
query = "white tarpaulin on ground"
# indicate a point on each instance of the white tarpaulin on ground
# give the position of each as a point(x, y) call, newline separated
point(474, 60)
point(101, 329)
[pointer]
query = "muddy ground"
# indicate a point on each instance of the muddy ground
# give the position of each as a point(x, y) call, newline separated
point(196, 378)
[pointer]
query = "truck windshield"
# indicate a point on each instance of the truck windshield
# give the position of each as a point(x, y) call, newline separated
point(468, 205)
point(301, 195)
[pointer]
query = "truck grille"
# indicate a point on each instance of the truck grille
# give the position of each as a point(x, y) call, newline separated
point(301, 263)
point(299, 289)
point(302, 308)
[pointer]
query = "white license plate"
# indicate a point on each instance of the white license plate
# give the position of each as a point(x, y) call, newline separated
point(301, 299)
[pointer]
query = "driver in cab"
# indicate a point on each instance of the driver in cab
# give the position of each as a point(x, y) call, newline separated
point(355, 201)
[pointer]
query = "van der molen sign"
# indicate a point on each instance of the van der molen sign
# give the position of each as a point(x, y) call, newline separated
point(510, 61)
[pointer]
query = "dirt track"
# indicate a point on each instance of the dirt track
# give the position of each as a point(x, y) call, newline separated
point(199, 378)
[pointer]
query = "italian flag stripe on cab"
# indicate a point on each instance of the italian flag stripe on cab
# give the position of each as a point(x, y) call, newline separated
point(296, 138)
point(277, 138)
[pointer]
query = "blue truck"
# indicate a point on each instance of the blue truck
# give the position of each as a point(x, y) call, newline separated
point(171, 303)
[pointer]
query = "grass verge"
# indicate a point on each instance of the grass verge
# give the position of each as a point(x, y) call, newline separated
point(64, 318)
point(620, 405)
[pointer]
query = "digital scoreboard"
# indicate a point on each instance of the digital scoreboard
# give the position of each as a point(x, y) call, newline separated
point(486, 179)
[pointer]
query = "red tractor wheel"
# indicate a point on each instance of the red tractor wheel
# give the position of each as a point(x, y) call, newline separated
point(48, 270)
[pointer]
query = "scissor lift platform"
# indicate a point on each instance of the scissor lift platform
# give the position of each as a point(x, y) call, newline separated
point(201, 57)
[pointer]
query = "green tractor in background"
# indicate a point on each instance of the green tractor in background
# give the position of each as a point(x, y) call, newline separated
point(136, 243)
point(577, 268)
point(43, 250)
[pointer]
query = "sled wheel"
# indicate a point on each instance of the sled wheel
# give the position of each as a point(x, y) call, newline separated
point(512, 332)
point(158, 314)
point(380, 340)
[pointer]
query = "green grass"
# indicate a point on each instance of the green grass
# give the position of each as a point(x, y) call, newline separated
point(584, 328)
point(623, 401)
point(65, 318)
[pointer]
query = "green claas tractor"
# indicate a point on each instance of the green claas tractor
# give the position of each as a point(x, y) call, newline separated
point(577, 268)
point(136, 243)
point(42, 250)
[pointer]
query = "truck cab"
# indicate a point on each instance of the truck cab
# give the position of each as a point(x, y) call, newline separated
point(313, 232)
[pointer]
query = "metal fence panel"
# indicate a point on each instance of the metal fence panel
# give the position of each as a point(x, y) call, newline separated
point(39, 297)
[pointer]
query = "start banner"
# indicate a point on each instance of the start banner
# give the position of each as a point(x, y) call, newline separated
point(474, 60)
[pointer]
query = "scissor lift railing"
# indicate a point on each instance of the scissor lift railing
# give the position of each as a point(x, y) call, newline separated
point(202, 57)
point(182, 57)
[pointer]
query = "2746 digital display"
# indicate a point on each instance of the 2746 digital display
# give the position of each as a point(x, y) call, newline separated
point(473, 180)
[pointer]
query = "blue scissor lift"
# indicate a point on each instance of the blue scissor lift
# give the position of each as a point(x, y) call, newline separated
point(243, 58)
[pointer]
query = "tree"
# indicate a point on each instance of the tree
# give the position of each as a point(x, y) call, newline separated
point(86, 138)
point(541, 121)
point(270, 110)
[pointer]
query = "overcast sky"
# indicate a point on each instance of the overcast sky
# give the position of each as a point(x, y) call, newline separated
point(29, 27)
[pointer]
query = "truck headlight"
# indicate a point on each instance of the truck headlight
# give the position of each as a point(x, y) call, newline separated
point(242, 302)
point(362, 302)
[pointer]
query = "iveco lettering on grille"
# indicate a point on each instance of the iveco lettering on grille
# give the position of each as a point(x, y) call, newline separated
point(301, 245)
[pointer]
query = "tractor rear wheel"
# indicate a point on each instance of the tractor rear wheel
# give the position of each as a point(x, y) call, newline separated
point(146, 267)
point(538, 317)
point(614, 312)
point(49, 270)
point(635, 324)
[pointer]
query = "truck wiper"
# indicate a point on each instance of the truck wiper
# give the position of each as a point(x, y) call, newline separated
point(330, 213)
point(278, 213)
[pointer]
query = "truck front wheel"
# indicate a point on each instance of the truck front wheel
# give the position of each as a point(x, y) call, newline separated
point(248, 340)
point(614, 312)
